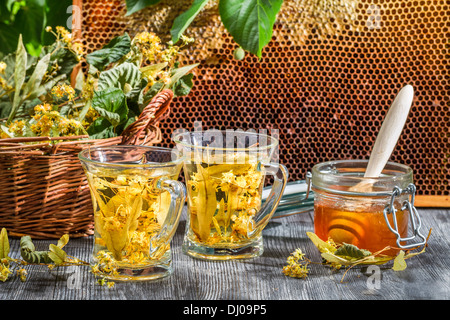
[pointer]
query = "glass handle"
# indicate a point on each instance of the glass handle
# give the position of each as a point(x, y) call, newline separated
point(177, 193)
point(280, 174)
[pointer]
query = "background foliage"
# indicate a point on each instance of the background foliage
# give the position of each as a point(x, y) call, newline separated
point(29, 18)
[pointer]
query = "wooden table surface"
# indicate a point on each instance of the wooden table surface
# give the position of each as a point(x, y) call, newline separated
point(427, 276)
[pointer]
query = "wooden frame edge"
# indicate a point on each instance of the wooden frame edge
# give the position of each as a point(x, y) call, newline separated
point(432, 201)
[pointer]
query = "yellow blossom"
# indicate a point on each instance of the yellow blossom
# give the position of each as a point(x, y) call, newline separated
point(78, 48)
point(4, 272)
point(65, 35)
point(297, 265)
point(2, 67)
point(169, 54)
point(41, 108)
point(165, 77)
point(4, 85)
point(63, 91)
point(149, 44)
point(22, 273)
point(186, 40)
point(17, 128)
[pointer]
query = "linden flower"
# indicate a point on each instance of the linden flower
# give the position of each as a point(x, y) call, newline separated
point(4, 272)
point(63, 91)
point(41, 108)
point(65, 35)
point(165, 77)
point(78, 48)
point(228, 177)
point(147, 37)
point(242, 224)
point(2, 67)
point(3, 84)
point(17, 127)
point(149, 44)
point(22, 273)
point(297, 266)
point(169, 54)
point(186, 40)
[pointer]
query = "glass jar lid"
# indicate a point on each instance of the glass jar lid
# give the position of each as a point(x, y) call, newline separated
point(341, 175)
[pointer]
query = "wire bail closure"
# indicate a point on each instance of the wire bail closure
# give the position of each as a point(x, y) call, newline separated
point(413, 214)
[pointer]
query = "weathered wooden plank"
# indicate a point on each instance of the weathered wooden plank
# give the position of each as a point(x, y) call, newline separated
point(426, 277)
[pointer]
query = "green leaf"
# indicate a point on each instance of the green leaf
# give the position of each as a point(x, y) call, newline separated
point(66, 60)
point(101, 129)
point(19, 77)
point(183, 86)
point(111, 105)
point(351, 251)
point(178, 73)
point(153, 69)
point(399, 262)
point(329, 257)
point(181, 22)
point(29, 253)
point(112, 52)
point(30, 19)
point(38, 74)
point(136, 5)
point(119, 77)
point(4, 244)
point(250, 22)
point(154, 89)
point(56, 254)
point(63, 241)
point(321, 245)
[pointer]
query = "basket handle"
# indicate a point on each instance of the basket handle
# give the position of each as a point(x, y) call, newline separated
point(157, 109)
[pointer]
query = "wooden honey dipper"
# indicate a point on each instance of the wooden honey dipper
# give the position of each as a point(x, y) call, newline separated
point(387, 138)
point(351, 230)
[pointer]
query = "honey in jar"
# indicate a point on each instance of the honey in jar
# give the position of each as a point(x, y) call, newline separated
point(364, 226)
point(360, 218)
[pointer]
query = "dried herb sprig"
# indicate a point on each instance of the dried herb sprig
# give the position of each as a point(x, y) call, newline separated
point(52, 258)
point(347, 255)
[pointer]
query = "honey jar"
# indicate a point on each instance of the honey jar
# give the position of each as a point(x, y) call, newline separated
point(371, 213)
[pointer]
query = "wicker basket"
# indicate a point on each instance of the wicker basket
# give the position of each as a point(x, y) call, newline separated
point(44, 192)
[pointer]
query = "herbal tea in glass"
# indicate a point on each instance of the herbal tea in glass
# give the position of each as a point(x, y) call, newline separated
point(224, 187)
point(137, 204)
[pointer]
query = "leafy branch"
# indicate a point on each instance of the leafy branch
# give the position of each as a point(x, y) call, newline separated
point(55, 256)
point(250, 22)
point(347, 255)
point(121, 79)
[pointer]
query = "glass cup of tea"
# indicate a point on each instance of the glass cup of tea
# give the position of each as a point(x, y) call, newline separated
point(137, 204)
point(224, 174)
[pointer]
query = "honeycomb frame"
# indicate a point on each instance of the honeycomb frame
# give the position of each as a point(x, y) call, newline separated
point(325, 88)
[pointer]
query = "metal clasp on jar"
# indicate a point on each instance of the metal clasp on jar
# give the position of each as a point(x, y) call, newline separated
point(414, 217)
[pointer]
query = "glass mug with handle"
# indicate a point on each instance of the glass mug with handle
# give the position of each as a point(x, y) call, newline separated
point(224, 175)
point(137, 206)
